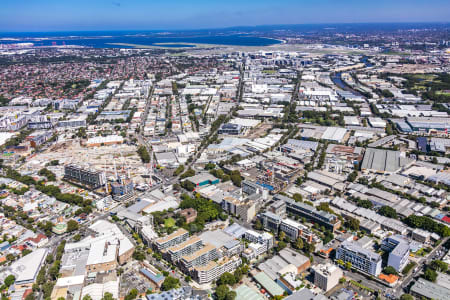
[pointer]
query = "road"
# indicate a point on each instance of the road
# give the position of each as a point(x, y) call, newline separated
point(424, 261)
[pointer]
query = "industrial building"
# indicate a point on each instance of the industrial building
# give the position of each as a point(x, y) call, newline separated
point(427, 124)
point(27, 268)
point(203, 179)
point(108, 249)
point(383, 161)
point(230, 129)
point(104, 141)
point(429, 290)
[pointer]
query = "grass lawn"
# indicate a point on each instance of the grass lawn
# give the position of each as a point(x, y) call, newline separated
point(169, 222)
point(428, 77)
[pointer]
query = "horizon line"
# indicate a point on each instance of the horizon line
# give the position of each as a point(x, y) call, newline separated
point(228, 27)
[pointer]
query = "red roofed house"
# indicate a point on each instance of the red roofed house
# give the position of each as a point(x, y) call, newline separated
point(37, 242)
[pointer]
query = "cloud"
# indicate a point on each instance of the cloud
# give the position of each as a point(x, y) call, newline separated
point(116, 3)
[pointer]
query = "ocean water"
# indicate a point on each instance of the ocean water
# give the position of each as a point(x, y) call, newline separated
point(108, 39)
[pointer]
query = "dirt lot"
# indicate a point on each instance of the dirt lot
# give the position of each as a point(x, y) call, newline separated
point(124, 157)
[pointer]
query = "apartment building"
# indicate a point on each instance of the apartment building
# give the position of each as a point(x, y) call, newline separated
point(213, 270)
point(199, 258)
point(291, 228)
point(270, 221)
point(326, 276)
point(187, 247)
point(264, 238)
point(172, 239)
point(323, 218)
point(295, 230)
point(361, 259)
point(398, 249)
point(90, 178)
point(245, 208)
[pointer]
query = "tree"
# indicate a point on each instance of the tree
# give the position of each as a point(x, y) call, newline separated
point(210, 166)
point(132, 294)
point(258, 224)
point(107, 296)
point(348, 266)
point(352, 176)
point(143, 153)
point(30, 297)
point(439, 265)
point(49, 258)
point(226, 279)
point(389, 130)
point(26, 252)
point(231, 295)
point(388, 211)
point(9, 280)
point(364, 203)
point(298, 244)
point(178, 170)
point(236, 178)
point(188, 173)
point(281, 246)
point(222, 291)
point(170, 283)
point(87, 297)
point(389, 270)
point(430, 275)
point(342, 280)
point(282, 236)
point(406, 297)
point(428, 224)
point(138, 255)
point(47, 289)
point(353, 224)
point(72, 225)
point(297, 197)
point(77, 238)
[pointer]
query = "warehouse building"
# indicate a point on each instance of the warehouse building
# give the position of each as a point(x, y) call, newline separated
point(203, 179)
point(268, 284)
point(384, 161)
point(335, 134)
point(230, 129)
point(26, 268)
point(104, 141)
point(429, 290)
point(428, 124)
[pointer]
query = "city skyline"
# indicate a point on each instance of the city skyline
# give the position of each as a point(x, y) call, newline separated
point(50, 15)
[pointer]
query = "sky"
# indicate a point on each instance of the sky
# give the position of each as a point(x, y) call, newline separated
point(79, 15)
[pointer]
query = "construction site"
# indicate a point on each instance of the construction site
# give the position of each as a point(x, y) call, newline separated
point(115, 162)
